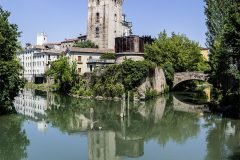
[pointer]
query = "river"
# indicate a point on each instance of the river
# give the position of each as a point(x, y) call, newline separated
point(55, 127)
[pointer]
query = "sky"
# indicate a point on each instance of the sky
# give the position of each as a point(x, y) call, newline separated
point(61, 19)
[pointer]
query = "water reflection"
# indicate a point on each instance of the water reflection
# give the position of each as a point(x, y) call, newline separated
point(13, 140)
point(165, 120)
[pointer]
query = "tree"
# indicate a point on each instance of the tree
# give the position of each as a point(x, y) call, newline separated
point(63, 73)
point(176, 53)
point(85, 44)
point(10, 68)
point(223, 21)
point(108, 56)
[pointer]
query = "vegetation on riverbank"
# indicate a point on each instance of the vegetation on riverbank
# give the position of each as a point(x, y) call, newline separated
point(173, 54)
point(42, 87)
point(10, 68)
point(223, 39)
point(110, 81)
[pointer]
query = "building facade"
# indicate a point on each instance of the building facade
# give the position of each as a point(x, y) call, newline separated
point(87, 59)
point(106, 22)
point(36, 59)
point(205, 53)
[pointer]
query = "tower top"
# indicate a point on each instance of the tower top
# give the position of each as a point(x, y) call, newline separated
point(105, 22)
point(41, 38)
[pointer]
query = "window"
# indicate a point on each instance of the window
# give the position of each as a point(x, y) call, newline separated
point(98, 2)
point(79, 58)
point(97, 32)
point(79, 70)
point(97, 17)
point(115, 17)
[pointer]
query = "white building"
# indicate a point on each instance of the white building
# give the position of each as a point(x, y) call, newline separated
point(30, 105)
point(36, 59)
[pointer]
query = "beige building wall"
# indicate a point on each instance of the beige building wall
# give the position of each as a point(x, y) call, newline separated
point(205, 53)
point(105, 16)
point(82, 56)
point(81, 59)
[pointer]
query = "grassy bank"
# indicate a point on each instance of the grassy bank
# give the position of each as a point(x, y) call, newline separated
point(41, 87)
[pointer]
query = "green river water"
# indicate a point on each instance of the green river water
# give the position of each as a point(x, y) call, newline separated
point(54, 127)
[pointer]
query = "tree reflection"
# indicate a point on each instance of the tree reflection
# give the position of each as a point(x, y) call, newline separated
point(223, 138)
point(152, 120)
point(13, 141)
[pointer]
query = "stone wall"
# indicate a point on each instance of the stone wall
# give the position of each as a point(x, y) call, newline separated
point(156, 81)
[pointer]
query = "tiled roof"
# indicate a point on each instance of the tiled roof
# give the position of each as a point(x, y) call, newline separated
point(90, 50)
point(52, 44)
point(70, 40)
point(202, 48)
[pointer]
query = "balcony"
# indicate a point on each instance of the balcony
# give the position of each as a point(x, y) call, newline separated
point(79, 62)
point(101, 61)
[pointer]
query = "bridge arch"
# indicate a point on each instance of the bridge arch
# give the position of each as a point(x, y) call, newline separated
point(187, 76)
point(187, 107)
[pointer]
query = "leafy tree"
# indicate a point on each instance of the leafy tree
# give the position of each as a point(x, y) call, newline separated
point(176, 53)
point(63, 73)
point(85, 44)
point(116, 79)
point(133, 72)
point(10, 68)
point(148, 39)
point(223, 21)
point(108, 56)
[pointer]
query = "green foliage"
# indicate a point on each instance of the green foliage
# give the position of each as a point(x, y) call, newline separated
point(107, 84)
point(81, 88)
point(85, 44)
point(116, 79)
point(108, 56)
point(10, 68)
point(133, 72)
point(150, 94)
point(63, 73)
point(177, 50)
point(176, 53)
point(223, 21)
point(13, 138)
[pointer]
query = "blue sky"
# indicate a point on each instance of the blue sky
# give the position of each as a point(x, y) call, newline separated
point(62, 19)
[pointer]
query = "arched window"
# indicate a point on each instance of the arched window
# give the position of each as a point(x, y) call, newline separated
point(98, 2)
point(97, 17)
point(97, 32)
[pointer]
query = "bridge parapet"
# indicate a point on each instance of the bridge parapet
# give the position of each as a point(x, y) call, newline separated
point(186, 76)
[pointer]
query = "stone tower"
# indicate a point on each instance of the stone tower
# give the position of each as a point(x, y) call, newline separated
point(105, 22)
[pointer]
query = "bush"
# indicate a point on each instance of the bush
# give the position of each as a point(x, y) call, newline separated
point(114, 80)
point(85, 44)
point(108, 56)
point(150, 94)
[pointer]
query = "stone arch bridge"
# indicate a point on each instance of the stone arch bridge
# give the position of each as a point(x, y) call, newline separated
point(186, 76)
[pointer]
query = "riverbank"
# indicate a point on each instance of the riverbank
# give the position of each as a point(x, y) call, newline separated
point(52, 88)
point(42, 87)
